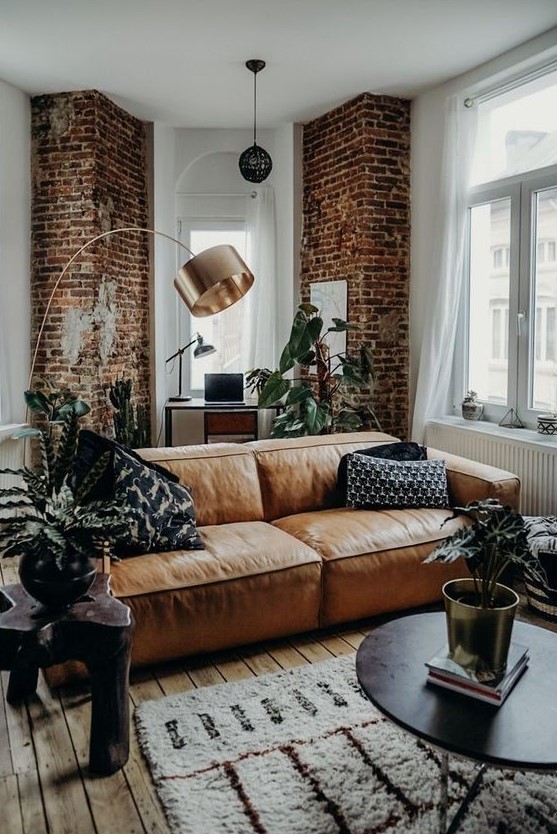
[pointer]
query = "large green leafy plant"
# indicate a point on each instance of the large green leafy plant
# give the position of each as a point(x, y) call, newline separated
point(494, 540)
point(47, 516)
point(328, 405)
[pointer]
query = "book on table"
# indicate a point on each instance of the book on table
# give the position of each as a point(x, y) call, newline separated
point(444, 671)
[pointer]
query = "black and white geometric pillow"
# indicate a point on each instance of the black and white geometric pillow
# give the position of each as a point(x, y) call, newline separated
point(384, 484)
point(163, 510)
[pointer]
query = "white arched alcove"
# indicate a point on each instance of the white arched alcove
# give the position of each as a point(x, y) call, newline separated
point(195, 172)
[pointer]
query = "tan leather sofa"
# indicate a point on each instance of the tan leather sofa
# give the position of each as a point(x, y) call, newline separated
point(281, 556)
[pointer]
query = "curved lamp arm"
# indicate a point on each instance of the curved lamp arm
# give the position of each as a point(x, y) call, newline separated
point(208, 283)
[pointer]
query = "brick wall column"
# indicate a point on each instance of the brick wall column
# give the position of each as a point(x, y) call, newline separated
point(89, 176)
point(356, 210)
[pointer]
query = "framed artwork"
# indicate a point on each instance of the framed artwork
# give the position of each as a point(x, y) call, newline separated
point(331, 297)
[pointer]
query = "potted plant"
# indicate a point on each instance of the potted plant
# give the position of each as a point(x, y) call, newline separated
point(326, 406)
point(50, 524)
point(480, 610)
point(471, 407)
point(130, 422)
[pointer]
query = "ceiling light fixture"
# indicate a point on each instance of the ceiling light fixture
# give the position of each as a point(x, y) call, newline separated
point(255, 163)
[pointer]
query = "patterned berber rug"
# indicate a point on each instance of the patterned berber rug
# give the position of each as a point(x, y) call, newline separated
point(304, 752)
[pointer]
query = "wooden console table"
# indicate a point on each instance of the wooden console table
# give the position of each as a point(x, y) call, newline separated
point(96, 630)
point(226, 418)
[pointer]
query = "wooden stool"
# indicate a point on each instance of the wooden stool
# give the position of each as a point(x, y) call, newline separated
point(97, 630)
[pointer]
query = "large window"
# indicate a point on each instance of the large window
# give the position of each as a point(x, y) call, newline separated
point(509, 331)
point(228, 331)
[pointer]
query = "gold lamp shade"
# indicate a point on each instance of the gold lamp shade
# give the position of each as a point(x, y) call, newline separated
point(213, 280)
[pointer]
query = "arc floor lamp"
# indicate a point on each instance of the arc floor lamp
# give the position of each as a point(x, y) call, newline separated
point(207, 283)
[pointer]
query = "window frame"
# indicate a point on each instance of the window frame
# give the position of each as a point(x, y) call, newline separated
point(521, 189)
point(185, 322)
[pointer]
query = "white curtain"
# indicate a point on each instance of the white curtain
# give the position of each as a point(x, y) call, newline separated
point(262, 348)
point(433, 389)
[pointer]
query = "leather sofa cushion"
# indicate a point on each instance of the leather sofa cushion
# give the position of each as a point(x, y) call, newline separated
point(300, 475)
point(240, 589)
point(222, 477)
point(473, 481)
point(373, 560)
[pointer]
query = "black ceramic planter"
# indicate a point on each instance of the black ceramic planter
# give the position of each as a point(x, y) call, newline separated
point(53, 587)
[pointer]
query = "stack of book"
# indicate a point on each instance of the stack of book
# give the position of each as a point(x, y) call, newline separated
point(444, 671)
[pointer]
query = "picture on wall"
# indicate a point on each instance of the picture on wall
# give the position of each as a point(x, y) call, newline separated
point(331, 298)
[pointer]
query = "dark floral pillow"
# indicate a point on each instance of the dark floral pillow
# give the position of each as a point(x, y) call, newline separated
point(405, 450)
point(392, 484)
point(90, 447)
point(164, 511)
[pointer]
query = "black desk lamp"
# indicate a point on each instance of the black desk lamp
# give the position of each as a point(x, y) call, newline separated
point(201, 349)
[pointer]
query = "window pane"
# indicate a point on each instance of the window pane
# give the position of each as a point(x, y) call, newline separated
point(516, 131)
point(545, 301)
point(490, 226)
point(228, 331)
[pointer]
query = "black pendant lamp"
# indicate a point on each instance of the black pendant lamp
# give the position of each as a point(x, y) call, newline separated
point(255, 163)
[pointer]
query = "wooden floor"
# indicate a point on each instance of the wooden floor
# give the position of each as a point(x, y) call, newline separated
point(44, 781)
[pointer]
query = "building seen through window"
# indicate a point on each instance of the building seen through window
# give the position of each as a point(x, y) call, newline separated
point(509, 341)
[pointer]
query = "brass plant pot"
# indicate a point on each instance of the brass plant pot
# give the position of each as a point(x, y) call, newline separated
point(479, 638)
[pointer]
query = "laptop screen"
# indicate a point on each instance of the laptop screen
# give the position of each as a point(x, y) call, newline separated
point(224, 388)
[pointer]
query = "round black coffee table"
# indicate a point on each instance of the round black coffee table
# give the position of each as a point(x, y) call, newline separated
point(520, 734)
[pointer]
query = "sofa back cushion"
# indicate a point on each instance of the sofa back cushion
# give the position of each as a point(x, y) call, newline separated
point(300, 475)
point(222, 477)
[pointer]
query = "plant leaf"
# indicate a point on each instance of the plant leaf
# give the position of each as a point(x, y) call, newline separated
point(274, 389)
point(298, 393)
point(316, 416)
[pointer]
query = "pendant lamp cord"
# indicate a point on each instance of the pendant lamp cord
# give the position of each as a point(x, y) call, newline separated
point(254, 105)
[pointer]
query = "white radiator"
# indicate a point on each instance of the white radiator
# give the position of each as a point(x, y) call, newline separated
point(11, 457)
point(532, 457)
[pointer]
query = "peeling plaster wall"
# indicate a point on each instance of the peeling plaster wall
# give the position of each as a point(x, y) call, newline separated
point(88, 177)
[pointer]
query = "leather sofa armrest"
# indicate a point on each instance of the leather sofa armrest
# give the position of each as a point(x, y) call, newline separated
point(472, 481)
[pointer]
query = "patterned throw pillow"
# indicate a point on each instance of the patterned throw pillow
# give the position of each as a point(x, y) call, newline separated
point(404, 450)
point(90, 447)
point(390, 484)
point(164, 511)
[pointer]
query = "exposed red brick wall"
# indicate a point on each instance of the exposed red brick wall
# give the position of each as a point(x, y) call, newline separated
point(356, 209)
point(89, 176)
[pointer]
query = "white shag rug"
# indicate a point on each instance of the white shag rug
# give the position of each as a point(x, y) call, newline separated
point(304, 752)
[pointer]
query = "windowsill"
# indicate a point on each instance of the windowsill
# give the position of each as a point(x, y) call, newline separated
point(7, 430)
point(524, 436)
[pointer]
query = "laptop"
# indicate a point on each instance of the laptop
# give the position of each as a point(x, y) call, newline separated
point(224, 389)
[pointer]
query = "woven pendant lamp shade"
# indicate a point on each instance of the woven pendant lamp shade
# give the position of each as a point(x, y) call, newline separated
point(255, 163)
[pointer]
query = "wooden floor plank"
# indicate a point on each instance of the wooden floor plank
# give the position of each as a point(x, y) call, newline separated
point(234, 669)
point(312, 651)
point(31, 803)
point(142, 789)
point(110, 800)
point(172, 678)
point(204, 675)
point(336, 645)
point(19, 732)
point(6, 762)
point(10, 813)
point(66, 806)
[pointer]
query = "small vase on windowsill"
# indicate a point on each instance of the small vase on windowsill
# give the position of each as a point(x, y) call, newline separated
point(471, 408)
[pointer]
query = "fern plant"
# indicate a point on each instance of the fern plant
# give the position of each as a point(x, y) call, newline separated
point(47, 516)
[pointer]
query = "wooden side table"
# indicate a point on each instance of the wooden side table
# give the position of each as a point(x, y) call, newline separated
point(96, 630)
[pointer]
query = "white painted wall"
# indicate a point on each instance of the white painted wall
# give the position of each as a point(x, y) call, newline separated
point(426, 153)
point(15, 235)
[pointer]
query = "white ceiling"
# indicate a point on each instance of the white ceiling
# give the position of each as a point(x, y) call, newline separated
point(182, 61)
